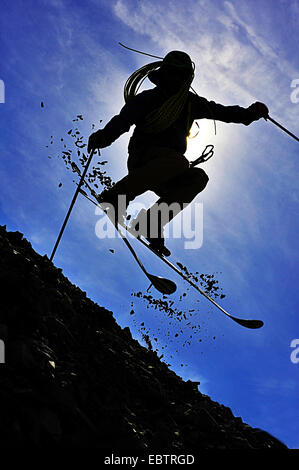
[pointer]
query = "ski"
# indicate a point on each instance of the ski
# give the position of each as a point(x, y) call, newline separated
point(247, 323)
point(163, 285)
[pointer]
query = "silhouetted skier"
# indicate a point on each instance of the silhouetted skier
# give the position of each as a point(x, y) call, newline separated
point(163, 117)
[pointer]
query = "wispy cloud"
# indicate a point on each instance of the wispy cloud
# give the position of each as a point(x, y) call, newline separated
point(235, 60)
point(275, 386)
point(65, 53)
point(238, 62)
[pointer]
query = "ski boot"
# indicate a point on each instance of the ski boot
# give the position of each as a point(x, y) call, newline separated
point(141, 227)
point(113, 206)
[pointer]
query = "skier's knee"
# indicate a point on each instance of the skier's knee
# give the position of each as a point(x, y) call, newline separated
point(200, 177)
point(205, 178)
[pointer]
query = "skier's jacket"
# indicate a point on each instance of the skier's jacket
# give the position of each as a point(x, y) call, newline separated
point(175, 136)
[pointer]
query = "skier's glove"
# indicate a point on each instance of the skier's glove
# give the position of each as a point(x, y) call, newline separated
point(97, 140)
point(258, 110)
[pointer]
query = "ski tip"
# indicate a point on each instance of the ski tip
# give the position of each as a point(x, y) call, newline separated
point(252, 324)
point(255, 324)
point(163, 285)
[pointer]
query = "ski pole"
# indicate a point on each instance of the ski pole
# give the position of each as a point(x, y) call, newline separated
point(72, 205)
point(166, 286)
point(283, 128)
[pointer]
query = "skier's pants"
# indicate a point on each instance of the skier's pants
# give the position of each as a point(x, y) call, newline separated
point(163, 171)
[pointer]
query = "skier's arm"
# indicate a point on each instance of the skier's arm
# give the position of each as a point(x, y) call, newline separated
point(118, 125)
point(235, 114)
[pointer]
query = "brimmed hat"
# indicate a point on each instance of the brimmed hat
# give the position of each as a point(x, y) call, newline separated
point(175, 60)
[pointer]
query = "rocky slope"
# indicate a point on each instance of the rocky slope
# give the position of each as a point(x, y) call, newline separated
point(73, 378)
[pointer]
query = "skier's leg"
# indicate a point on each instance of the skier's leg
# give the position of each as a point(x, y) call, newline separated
point(160, 165)
point(183, 188)
point(180, 191)
point(175, 194)
point(164, 165)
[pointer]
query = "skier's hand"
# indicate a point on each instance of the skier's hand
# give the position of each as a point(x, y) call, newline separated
point(258, 110)
point(97, 140)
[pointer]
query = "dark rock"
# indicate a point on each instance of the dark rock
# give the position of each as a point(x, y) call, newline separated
point(74, 378)
point(205, 421)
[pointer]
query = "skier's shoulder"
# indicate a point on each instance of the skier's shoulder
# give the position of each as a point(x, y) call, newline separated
point(143, 102)
point(144, 96)
point(200, 106)
point(197, 99)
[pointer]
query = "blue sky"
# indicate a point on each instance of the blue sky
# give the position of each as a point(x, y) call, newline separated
point(66, 54)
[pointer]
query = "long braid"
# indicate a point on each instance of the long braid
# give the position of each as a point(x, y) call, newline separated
point(163, 117)
point(135, 80)
point(158, 57)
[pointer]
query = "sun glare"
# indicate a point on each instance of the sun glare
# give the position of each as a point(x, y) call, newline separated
point(201, 134)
